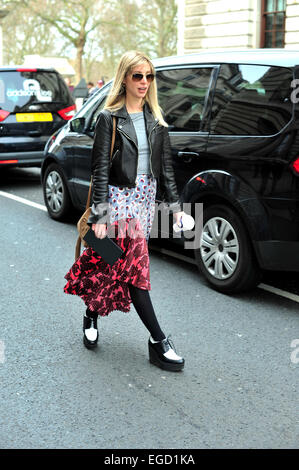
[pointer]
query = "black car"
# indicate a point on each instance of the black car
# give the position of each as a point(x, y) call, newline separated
point(234, 128)
point(34, 103)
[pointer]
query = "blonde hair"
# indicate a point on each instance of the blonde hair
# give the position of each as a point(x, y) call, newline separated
point(117, 96)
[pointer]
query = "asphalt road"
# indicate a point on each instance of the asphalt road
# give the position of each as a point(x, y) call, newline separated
point(239, 388)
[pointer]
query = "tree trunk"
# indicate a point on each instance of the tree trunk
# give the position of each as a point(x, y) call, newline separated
point(78, 62)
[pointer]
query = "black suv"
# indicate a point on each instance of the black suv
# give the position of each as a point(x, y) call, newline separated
point(234, 128)
point(34, 103)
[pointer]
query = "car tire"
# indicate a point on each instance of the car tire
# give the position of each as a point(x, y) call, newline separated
point(225, 256)
point(56, 193)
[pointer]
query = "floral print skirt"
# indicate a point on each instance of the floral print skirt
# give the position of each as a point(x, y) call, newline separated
point(102, 287)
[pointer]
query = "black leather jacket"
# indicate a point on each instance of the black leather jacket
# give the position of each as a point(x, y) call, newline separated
point(121, 169)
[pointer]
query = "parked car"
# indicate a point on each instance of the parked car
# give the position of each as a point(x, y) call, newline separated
point(234, 131)
point(34, 103)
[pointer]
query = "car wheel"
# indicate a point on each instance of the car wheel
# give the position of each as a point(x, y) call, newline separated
point(56, 194)
point(225, 256)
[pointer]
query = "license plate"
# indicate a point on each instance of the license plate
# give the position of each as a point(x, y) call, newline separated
point(33, 117)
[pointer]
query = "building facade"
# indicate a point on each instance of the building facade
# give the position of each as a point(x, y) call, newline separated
point(237, 24)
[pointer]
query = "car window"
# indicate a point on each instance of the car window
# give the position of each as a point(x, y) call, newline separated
point(19, 89)
point(91, 104)
point(96, 113)
point(87, 109)
point(251, 100)
point(182, 95)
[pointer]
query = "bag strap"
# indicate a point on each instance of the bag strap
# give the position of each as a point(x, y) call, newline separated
point(113, 136)
point(78, 248)
point(89, 194)
point(111, 152)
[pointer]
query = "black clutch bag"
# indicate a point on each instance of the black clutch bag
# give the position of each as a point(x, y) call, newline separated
point(105, 247)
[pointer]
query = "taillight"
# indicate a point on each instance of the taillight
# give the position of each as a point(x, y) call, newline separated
point(3, 114)
point(26, 69)
point(67, 113)
point(295, 166)
point(7, 162)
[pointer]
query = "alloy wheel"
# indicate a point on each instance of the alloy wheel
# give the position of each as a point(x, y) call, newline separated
point(219, 248)
point(54, 191)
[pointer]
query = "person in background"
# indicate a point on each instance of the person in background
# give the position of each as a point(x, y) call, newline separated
point(91, 90)
point(124, 193)
point(91, 87)
point(69, 84)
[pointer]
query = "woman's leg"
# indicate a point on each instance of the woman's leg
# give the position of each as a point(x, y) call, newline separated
point(161, 350)
point(143, 305)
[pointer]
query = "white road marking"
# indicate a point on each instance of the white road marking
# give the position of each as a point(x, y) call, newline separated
point(173, 254)
point(23, 201)
point(282, 293)
point(273, 290)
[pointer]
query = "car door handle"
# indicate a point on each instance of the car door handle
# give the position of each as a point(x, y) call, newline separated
point(34, 133)
point(188, 156)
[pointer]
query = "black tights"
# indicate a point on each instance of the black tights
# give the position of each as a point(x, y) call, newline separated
point(143, 306)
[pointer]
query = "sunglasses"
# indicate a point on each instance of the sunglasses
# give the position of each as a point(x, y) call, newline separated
point(137, 77)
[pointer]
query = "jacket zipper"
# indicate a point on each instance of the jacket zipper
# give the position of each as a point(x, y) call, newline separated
point(113, 156)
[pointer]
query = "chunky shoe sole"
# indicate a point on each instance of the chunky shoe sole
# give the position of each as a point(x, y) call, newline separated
point(171, 366)
point(88, 344)
point(87, 323)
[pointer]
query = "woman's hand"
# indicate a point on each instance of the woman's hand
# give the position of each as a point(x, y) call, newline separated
point(177, 216)
point(100, 230)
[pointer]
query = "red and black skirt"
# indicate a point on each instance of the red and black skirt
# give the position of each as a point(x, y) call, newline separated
point(102, 287)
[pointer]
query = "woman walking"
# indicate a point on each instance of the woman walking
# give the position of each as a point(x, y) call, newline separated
point(124, 190)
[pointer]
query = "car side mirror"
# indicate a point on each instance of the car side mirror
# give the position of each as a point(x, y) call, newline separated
point(78, 125)
point(91, 129)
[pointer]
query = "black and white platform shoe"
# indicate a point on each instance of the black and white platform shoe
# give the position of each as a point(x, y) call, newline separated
point(163, 354)
point(90, 329)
